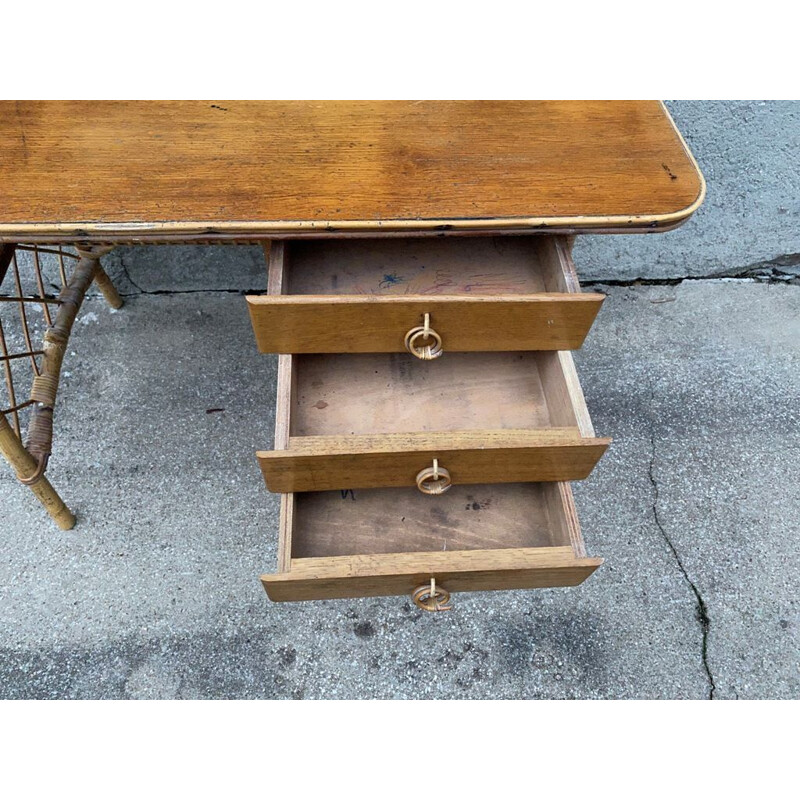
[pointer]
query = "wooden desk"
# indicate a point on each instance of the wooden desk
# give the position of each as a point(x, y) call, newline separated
point(429, 416)
point(143, 171)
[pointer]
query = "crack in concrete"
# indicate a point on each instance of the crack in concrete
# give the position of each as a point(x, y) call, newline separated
point(190, 291)
point(141, 290)
point(702, 610)
point(130, 279)
point(778, 270)
point(772, 271)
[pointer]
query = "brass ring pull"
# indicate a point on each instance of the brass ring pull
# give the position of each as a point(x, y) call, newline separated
point(431, 597)
point(432, 347)
point(434, 480)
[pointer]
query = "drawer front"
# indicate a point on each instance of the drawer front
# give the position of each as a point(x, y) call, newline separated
point(471, 571)
point(317, 463)
point(476, 295)
point(381, 324)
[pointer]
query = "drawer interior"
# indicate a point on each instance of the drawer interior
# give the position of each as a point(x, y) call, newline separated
point(397, 393)
point(390, 541)
point(375, 420)
point(478, 294)
point(479, 517)
point(487, 265)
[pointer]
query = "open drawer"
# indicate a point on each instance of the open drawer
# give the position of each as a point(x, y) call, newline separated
point(361, 421)
point(396, 541)
point(423, 295)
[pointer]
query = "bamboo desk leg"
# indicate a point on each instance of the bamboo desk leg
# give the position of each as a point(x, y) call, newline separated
point(30, 462)
point(24, 465)
point(102, 281)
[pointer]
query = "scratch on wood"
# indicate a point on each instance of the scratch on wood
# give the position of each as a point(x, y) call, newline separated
point(21, 130)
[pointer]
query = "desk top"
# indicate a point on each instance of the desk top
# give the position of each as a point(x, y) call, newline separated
point(143, 171)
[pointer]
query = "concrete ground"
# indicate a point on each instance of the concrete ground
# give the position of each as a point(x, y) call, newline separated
point(749, 153)
point(155, 594)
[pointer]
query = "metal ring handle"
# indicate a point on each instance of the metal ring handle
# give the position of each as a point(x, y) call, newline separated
point(430, 597)
point(434, 480)
point(427, 352)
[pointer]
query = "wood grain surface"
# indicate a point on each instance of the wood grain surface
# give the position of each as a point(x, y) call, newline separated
point(79, 170)
point(397, 393)
point(375, 576)
point(480, 517)
point(303, 324)
point(348, 462)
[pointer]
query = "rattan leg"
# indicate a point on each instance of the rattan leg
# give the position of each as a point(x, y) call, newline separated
point(94, 253)
point(56, 339)
point(25, 465)
point(106, 287)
